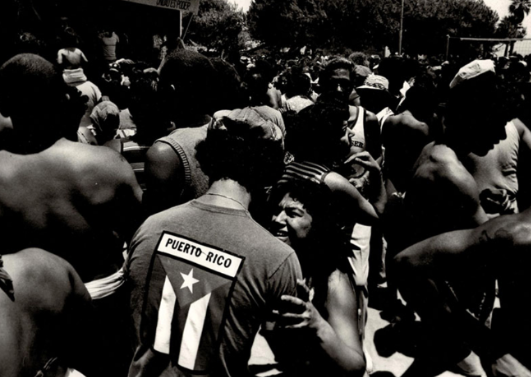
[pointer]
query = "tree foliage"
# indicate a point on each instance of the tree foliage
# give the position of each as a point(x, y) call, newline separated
point(362, 24)
point(509, 28)
point(217, 25)
point(519, 9)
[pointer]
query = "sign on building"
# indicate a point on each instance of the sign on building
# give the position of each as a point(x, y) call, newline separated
point(182, 5)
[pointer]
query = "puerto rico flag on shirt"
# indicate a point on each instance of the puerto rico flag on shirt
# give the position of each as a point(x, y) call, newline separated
point(188, 288)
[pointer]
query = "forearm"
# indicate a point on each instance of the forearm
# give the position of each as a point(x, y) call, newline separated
point(350, 362)
point(379, 200)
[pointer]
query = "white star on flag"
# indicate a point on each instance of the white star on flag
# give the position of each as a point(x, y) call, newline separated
point(189, 281)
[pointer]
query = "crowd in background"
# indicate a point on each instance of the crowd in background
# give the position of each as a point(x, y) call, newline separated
point(157, 215)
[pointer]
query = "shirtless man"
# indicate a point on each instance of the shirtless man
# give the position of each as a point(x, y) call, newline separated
point(44, 321)
point(501, 248)
point(77, 201)
point(63, 196)
point(443, 195)
point(405, 134)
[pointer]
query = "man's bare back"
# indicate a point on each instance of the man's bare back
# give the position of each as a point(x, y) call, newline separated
point(70, 199)
point(47, 318)
point(403, 137)
point(442, 195)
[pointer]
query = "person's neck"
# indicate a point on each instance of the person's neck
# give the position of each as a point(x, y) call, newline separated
point(452, 141)
point(227, 193)
point(29, 145)
point(192, 120)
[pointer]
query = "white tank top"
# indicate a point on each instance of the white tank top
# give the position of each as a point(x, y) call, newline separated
point(357, 141)
point(497, 170)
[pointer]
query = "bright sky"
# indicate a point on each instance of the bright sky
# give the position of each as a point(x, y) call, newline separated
point(244, 4)
point(500, 6)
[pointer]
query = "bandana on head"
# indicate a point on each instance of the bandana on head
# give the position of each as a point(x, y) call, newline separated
point(262, 121)
point(105, 111)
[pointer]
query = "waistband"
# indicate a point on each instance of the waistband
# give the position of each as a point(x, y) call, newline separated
point(104, 287)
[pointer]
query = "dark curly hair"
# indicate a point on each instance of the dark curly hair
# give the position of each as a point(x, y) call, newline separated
point(326, 248)
point(334, 64)
point(251, 161)
point(228, 90)
point(298, 83)
point(314, 134)
point(185, 79)
point(36, 97)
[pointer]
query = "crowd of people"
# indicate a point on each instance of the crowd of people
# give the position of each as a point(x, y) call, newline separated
point(157, 215)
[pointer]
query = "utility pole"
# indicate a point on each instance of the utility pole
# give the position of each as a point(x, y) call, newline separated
point(401, 29)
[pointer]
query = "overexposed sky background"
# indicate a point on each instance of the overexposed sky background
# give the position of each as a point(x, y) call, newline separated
point(244, 4)
point(500, 6)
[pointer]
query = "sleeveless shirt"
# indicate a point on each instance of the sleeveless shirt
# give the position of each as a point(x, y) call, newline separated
point(183, 141)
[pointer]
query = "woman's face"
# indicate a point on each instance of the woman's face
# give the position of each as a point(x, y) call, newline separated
point(291, 222)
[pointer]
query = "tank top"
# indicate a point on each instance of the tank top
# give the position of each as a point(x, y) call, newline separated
point(357, 141)
point(183, 141)
point(304, 170)
point(496, 174)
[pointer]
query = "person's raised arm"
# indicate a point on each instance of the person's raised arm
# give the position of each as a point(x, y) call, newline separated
point(355, 205)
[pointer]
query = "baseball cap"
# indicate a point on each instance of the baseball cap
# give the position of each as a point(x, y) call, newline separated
point(471, 70)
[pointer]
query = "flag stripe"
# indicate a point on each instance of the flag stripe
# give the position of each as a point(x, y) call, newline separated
point(165, 317)
point(193, 329)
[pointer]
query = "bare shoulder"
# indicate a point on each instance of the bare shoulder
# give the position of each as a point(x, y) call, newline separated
point(440, 163)
point(340, 289)
point(406, 121)
point(520, 126)
point(39, 274)
point(336, 182)
point(162, 157)
point(97, 164)
point(35, 263)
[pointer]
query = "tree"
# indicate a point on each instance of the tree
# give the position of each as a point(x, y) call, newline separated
point(365, 24)
point(509, 28)
point(217, 25)
point(519, 9)
point(288, 23)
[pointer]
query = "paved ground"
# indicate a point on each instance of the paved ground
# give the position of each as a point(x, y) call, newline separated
point(396, 364)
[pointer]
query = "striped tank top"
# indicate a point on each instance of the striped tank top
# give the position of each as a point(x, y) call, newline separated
point(304, 170)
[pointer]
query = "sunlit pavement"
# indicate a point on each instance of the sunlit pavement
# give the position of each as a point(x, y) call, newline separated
point(262, 358)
